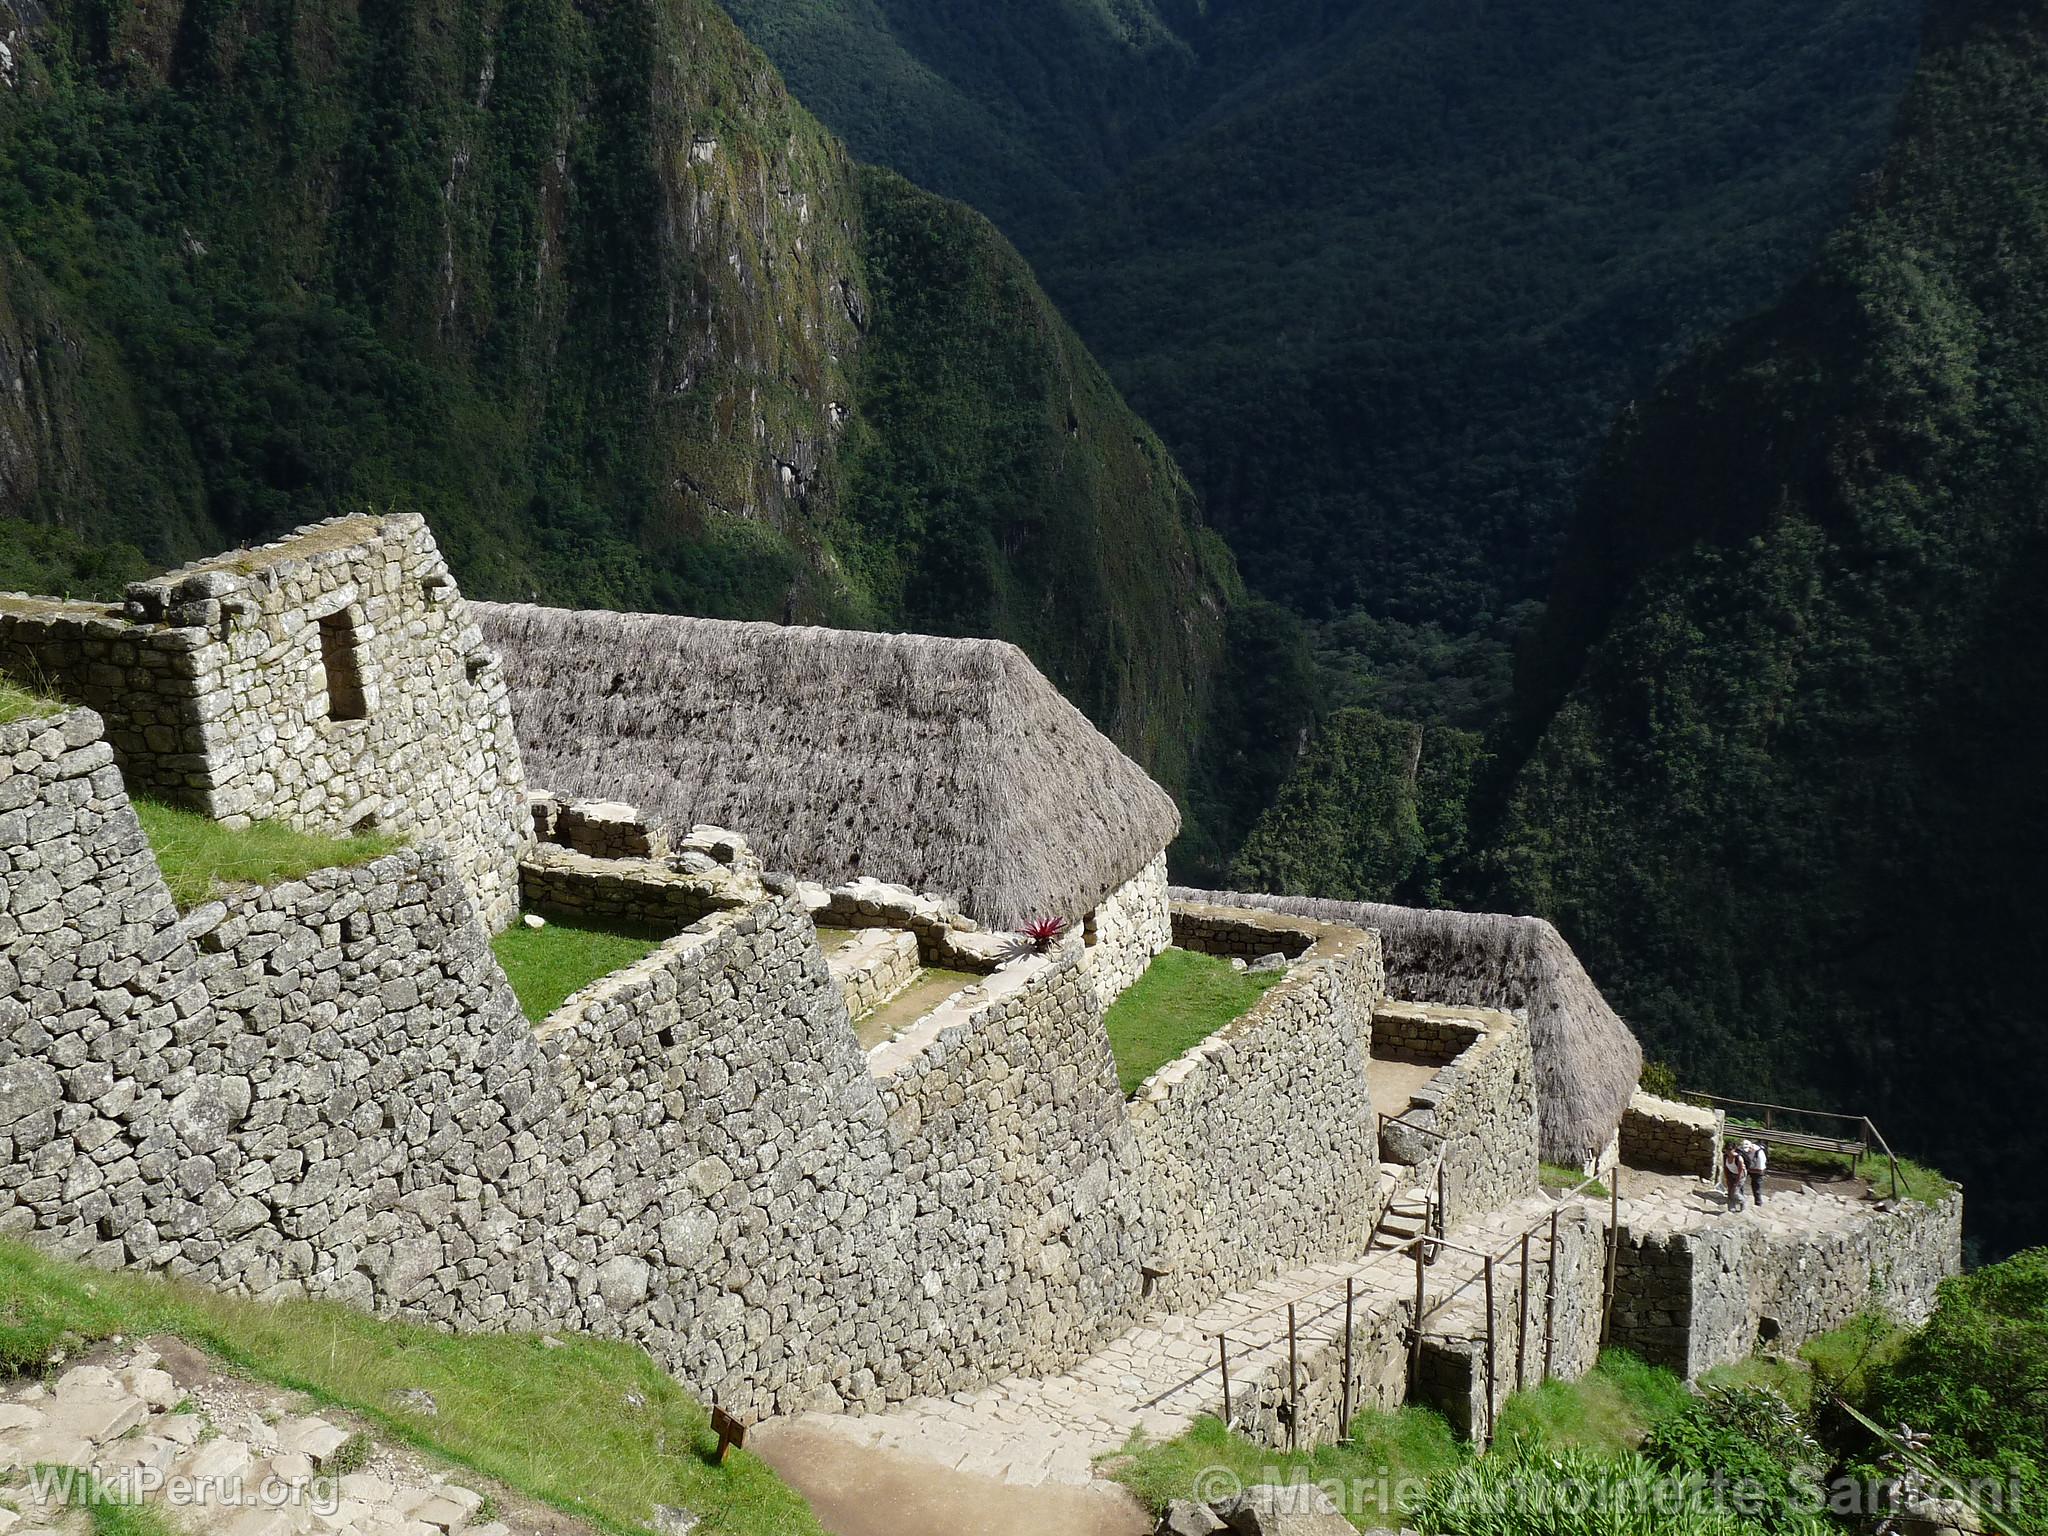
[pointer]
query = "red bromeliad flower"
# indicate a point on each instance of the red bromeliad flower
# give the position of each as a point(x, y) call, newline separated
point(1043, 932)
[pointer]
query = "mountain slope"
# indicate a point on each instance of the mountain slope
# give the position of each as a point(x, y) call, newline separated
point(1780, 786)
point(584, 285)
point(1379, 270)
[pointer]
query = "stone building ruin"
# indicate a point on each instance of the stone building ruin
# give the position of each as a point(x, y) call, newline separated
point(326, 1087)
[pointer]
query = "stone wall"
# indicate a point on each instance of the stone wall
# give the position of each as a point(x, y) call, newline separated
point(1481, 1103)
point(333, 680)
point(1127, 930)
point(1009, 1123)
point(1240, 932)
point(1561, 1292)
point(1259, 1144)
point(945, 936)
point(873, 966)
point(1715, 1293)
point(641, 893)
point(312, 1087)
point(1668, 1137)
point(1261, 1405)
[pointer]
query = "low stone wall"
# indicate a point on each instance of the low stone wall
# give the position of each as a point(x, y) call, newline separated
point(1130, 927)
point(1716, 1293)
point(1262, 1407)
point(639, 892)
point(1421, 1032)
point(1241, 932)
point(873, 967)
point(945, 937)
point(1259, 1144)
point(1667, 1137)
point(1482, 1104)
point(1560, 1296)
point(606, 829)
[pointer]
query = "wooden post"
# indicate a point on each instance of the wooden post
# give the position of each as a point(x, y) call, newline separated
point(1550, 1301)
point(1223, 1359)
point(1344, 1397)
point(1490, 1357)
point(1293, 1399)
point(1522, 1325)
point(1415, 1342)
point(1613, 1252)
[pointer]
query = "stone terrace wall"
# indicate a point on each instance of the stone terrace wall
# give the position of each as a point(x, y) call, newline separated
point(1692, 1300)
point(1245, 934)
point(1259, 1144)
point(214, 681)
point(1483, 1102)
point(1131, 926)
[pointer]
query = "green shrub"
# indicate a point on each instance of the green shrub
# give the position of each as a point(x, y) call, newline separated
point(1520, 1492)
point(1976, 1380)
point(1757, 1442)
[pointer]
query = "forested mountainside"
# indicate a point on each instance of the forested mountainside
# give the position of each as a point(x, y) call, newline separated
point(584, 285)
point(1781, 779)
point(1380, 271)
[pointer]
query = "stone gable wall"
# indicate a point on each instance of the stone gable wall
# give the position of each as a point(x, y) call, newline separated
point(1259, 1145)
point(1130, 927)
point(215, 691)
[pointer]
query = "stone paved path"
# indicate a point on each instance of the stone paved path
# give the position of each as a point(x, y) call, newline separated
point(1160, 1376)
point(217, 1455)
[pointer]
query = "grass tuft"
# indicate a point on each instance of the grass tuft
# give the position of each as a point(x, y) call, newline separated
point(1181, 1000)
point(200, 857)
point(547, 966)
point(1608, 1411)
point(18, 703)
point(1558, 1176)
point(1384, 1463)
point(596, 1430)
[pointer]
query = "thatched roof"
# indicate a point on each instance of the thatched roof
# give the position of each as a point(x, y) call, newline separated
point(1587, 1060)
point(950, 766)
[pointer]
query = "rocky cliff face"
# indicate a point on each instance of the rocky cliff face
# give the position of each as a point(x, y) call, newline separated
point(585, 286)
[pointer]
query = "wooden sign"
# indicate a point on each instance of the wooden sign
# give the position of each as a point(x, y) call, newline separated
point(731, 1432)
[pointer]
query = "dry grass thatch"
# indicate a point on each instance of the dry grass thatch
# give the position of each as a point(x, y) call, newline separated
point(1587, 1060)
point(951, 766)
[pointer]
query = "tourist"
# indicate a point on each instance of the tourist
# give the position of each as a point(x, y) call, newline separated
point(1754, 1160)
point(1733, 1166)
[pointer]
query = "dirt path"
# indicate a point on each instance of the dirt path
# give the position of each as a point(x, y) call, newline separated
point(867, 1491)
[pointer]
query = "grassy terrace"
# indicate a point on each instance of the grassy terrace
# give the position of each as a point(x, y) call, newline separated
point(547, 966)
point(18, 703)
point(1181, 1000)
point(200, 857)
point(596, 1430)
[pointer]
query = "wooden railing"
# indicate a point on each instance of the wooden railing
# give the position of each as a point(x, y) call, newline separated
point(1855, 1148)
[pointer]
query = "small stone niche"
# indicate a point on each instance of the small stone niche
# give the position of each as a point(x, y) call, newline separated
point(341, 660)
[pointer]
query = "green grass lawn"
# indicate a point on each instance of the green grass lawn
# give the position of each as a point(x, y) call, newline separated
point(1181, 1000)
point(547, 966)
point(1558, 1176)
point(199, 856)
point(1384, 1451)
point(594, 1429)
point(18, 703)
point(1609, 1410)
